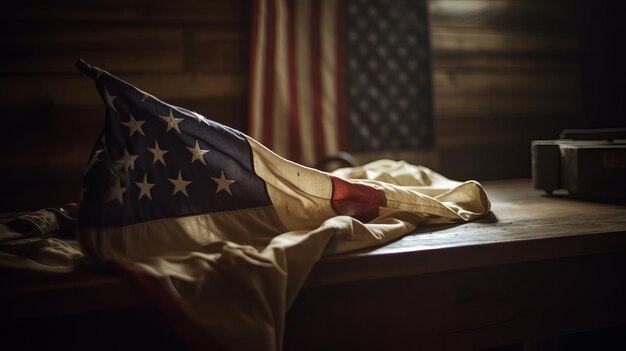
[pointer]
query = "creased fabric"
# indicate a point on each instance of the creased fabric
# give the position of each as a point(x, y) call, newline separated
point(31, 241)
point(225, 227)
point(238, 288)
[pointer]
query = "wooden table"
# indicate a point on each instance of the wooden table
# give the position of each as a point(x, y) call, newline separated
point(536, 269)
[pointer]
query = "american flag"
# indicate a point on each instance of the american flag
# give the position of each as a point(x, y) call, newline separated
point(340, 75)
point(220, 231)
point(157, 161)
point(161, 160)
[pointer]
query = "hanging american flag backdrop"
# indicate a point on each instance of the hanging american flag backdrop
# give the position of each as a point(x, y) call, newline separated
point(331, 76)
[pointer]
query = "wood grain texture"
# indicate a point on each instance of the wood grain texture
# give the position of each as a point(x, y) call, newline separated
point(525, 225)
point(470, 84)
point(498, 40)
point(539, 267)
point(50, 47)
point(217, 50)
point(465, 309)
point(90, 11)
point(529, 15)
point(498, 130)
point(505, 73)
point(79, 90)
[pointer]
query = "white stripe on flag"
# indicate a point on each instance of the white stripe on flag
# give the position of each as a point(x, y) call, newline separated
point(328, 71)
point(258, 64)
point(280, 135)
point(310, 79)
point(303, 50)
point(300, 195)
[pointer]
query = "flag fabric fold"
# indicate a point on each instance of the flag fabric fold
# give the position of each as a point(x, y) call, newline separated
point(227, 229)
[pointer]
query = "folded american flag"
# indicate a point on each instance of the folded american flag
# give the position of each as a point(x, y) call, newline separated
point(155, 160)
point(228, 229)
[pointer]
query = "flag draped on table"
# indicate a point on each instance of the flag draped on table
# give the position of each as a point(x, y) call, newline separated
point(331, 76)
point(223, 231)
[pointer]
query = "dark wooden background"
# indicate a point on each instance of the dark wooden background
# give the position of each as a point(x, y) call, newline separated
point(505, 72)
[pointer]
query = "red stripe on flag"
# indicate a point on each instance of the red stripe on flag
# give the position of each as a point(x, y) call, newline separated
point(357, 200)
point(268, 83)
point(294, 108)
point(316, 79)
point(341, 79)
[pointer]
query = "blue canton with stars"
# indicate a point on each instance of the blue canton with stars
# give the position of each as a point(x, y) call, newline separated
point(154, 160)
point(389, 76)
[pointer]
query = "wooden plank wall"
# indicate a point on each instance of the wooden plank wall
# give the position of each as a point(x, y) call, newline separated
point(505, 72)
point(191, 53)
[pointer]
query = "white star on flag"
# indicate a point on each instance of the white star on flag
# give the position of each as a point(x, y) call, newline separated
point(197, 153)
point(109, 98)
point(144, 187)
point(145, 96)
point(223, 183)
point(180, 185)
point(198, 116)
point(129, 160)
point(172, 122)
point(134, 125)
point(158, 153)
point(117, 192)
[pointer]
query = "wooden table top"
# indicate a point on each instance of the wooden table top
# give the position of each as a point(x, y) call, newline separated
point(525, 225)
